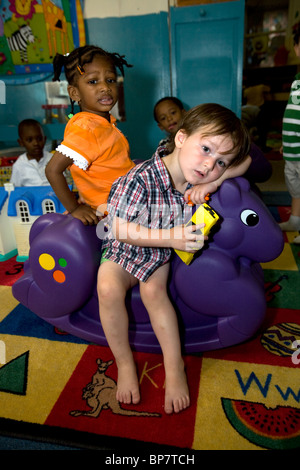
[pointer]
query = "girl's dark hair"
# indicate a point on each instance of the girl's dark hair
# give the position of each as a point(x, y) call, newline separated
point(73, 63)
point(215, 119)
point(167, 98)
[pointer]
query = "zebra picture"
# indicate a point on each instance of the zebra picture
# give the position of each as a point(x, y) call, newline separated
point(19, 40)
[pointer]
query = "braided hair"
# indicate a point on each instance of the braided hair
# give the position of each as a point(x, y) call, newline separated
point(73, 63)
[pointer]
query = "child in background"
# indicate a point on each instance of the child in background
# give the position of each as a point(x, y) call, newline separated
point(168, 113)
point(138, 245)
point(29, 168)
point(291, 147)
point(94, 149)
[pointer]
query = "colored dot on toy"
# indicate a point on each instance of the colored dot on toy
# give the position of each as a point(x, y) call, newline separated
point(59, 276)
point(47, 261)
point(62, 262)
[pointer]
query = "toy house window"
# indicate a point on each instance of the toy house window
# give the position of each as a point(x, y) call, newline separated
point(48, 206)
point(23, 212)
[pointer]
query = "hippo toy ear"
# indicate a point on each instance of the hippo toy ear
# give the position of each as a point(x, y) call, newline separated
point(230, 191)
point(42, 222)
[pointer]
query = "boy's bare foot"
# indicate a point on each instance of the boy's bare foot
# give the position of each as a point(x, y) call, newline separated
point(128, 386)
point(177, 397)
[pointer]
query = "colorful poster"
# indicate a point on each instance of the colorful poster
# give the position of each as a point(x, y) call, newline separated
point(33, 31)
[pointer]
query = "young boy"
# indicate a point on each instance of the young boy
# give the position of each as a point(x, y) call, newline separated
point(168, 113)
point(211, 145)
point(29, 168)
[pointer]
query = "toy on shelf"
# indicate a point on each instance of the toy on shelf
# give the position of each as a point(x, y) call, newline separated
point(50, 113)
point(219, 297)
point(6, 164)
point(57, 101)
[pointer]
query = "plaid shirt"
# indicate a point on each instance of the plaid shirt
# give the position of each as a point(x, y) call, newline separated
point(145, 196)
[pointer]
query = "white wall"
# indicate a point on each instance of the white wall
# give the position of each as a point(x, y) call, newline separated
point(120, 8)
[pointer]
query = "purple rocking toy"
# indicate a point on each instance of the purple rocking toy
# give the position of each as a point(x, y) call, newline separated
point(219, 297)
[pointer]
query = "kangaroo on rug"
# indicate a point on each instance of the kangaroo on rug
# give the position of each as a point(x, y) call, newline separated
point(101, 394)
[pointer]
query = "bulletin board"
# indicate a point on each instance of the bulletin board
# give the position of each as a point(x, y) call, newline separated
point(33, 31)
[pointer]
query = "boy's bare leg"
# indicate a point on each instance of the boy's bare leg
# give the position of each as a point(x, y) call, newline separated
point(113, 283)
point(164, 322)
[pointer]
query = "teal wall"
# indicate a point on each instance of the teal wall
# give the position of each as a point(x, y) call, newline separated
point(144, 40)
point(145, 43)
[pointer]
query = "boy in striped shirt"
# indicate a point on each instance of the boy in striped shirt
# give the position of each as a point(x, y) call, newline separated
point(291, 147)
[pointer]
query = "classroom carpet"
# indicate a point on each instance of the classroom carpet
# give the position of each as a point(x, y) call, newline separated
point(245, 397)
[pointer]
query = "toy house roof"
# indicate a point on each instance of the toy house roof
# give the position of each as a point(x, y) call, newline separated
point(34, 196)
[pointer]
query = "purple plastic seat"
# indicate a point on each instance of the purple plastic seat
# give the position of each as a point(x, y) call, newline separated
point(219, 297)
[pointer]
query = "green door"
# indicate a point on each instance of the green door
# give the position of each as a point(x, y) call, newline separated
point(207, 53)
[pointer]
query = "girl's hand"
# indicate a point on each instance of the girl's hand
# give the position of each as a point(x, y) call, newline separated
point(86, 214)
point(189, 239)
point(197, 193)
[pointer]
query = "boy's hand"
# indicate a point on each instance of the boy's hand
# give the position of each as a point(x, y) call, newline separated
point(197, 193)
point(189, 239)
point(86, 214)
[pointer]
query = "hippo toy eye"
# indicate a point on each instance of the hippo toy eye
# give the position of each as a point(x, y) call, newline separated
point(249, 217)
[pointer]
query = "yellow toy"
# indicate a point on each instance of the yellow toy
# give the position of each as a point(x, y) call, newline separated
point(204, 214)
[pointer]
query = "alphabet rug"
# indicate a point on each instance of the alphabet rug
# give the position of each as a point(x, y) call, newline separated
point(245, 397)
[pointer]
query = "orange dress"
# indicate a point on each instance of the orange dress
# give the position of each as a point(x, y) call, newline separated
point(100, 154)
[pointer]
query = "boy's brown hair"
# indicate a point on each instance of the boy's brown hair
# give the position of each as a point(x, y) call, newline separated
point(217, 120)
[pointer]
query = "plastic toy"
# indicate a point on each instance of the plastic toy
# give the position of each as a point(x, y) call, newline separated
point(219, 297)
point(204, 214)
